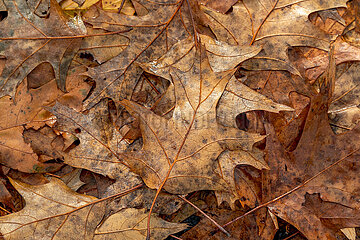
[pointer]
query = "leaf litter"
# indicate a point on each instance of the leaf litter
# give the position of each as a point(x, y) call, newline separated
point(186, 119)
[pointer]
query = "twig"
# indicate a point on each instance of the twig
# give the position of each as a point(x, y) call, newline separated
point(291, 191)
point(207, 216)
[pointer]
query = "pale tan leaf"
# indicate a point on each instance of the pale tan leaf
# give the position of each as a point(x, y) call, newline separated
point(238, 98)
point(228, 160)
point(99, 140)
point(52, 211)
point(72, 179)
point(131, 223)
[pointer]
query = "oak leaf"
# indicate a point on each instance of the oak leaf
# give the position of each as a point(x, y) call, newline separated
point(180, 154)
point(99, 140)
point(28, 111)
point(131, 223)
point(275, 25)
point(33, 41)
point(324, 161)
point(117, 77)
point(222, 57)
point(52, 211)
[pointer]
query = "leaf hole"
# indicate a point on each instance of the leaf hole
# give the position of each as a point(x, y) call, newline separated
point(86, 55)
point(242, 122)
point(3, 15)
point(76, 142)
point(92, 83)
point(230, 10)
point(55, 160)
point(77, 130)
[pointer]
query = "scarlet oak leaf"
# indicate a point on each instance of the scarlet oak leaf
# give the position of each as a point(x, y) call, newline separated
point(27, 40)
point(181, 153)
point(221, 6)
point(239, 98)
point(52, 211)
point(344, 110)
point(275, 25)
point(131, 223)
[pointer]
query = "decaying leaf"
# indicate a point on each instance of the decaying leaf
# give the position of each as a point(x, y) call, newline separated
point(189, 164)
point(228, 161)
point(221, 57)
point(72, 179)
point(117, 77)
point(99, 140)
point(321, 153)
point(274, 25)
point(52, 211)
point(28, 111)
point(242, 98)
point(34, 41)
point(131, 223)
point(170, 98)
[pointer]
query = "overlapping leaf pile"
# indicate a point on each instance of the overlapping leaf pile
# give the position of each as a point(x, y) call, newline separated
point(166, 119)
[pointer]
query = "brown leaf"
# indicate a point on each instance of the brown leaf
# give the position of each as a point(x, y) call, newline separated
point(317, 149)
point(117, 77)
point(244, 229)
point(72, 179)
point(275, 25)
point(222, 57)
point(332, 214)
point(52, 211)
point(228, 161)
point(27, 110)
point(131, 223)
point(344, 111)
point(99, 140)
point(242, 98)
point(315, 61)
point(23, 54)
point(220, 6)
point(182, 152)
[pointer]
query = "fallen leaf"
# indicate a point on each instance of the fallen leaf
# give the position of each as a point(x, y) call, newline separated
point(228, 161)
point(52, 211)
point(117, 77)
point(236, 95)
point(72, 179)
point(23, 54)
point(189, 164)
point(99, 140)
point(28, 111)
point(238, 98)
point(131, 223)
point(274, 25)
point(220, 6)
point(325, 158)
